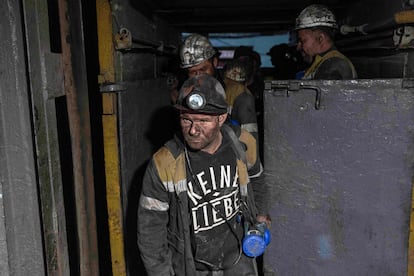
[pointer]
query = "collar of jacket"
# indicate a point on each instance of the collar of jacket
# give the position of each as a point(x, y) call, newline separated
point(171, 167)
point(319, 59)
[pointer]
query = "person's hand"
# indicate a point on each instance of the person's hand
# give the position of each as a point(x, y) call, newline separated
point(265, 218)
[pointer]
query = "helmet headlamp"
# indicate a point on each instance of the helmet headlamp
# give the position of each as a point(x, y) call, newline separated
point(202, 94)
point(196, 101)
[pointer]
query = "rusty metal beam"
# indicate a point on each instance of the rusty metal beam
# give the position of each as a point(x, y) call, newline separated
point(73, 57)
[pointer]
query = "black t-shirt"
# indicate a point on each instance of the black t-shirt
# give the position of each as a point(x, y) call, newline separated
point(214, 198)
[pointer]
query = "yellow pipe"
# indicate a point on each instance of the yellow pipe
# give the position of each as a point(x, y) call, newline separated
point(110, 136)
point(404, 17)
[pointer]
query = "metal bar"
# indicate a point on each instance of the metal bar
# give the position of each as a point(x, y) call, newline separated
point(73, 56)
point(410, 259)
point(409, 66)
point(45, 81)
point(363, 38)
point(296, 86)
point(408, 82)
point(126, 43)
point(110, 130)
point(21, 248)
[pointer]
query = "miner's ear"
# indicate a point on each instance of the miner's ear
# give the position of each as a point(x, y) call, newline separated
point(322, 36)
point(215, 61)
point(222, 118)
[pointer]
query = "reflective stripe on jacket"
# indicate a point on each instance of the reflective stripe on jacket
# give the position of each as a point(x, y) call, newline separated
point(163, 216)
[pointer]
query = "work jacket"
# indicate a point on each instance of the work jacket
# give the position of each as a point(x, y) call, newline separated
point(241, 106)
point(164, 236)
point(331, 65)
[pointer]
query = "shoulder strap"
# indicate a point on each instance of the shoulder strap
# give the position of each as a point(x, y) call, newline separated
point(248, 206)
point(236, 144)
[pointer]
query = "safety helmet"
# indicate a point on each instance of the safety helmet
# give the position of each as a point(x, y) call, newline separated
point(316, 16)
point(195, 49)
point(202, 94)
point(242, 52)
point(237, 70)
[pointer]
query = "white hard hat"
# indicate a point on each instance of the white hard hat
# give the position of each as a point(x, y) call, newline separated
point(195, 49)
point(237, 70)
point(316, 16)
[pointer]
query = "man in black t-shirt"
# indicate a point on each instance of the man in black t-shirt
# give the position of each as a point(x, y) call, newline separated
point(201, 191)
